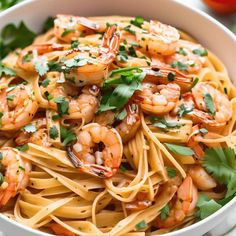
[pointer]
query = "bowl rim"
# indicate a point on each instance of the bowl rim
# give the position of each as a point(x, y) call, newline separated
point(200, 13)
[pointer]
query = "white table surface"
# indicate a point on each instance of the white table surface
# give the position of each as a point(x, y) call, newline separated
point(230, 221)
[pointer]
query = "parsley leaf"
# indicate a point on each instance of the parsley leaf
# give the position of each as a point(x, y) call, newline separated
point(182, 51)
point(67, 31)
point(4, 70)
point(220, 162)
point(30, 128)
point(180, 65)
point(53, 132)
point(200, 51)
point(171, 172)
point(62, 105)
point(23, 148)
point(165, 212)
point(171, 76)
point(195, 81)
point(141, 225)
point(209, 103)
point(10, 97)
point(41, 66)
point(121, 115)
point(128, 29)
point(206, 206)
point(138, 21)
point(46, 82)
point(183, 110)
point(122, 55)
point(177, 149)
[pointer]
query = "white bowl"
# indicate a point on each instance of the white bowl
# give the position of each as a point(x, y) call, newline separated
point(204, 28)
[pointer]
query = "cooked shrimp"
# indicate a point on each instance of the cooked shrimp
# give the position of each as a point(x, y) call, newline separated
point(186, 200)
point(128, 127)
point(158, 99)
point(60, 230)
point(97, 59)
point(18, 107)
point(68, 28)
point(98, 150)
point(16, 174)
point(39, 137)
point(221, 105)
point(141, 202)
point(160, 38)
point(201, 178)
point(185, 55)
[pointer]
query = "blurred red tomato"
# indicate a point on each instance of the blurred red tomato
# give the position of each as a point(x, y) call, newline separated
point(222, 6)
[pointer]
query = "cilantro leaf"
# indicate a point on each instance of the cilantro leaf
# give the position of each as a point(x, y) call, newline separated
point(53, 132)
point(141, 225)
point(67, 31)
point(67, 136)
point(177, 149)
point(62, 105)
point(13, 37)
point(206, 206)
point(171, 172)
point(182, 51)
point(200, 51)
point(138, 21)
point(220, 162)
point(209, 103)
point(41, 66)
point(4, 70)
point(183, 110)
point(30, 128)
point(128, 29)
point(195, 81)
point(46, 82)
point(165, 212)
point(23, 147)
point(179, 65)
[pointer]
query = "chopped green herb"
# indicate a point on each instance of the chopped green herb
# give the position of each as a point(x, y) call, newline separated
point(4, 70)
point(48, 96)
point(206, 206)
point(1, 179)
point(165, 212)
point(67, 136)
point(10, 97)
point(22, 168)
point(122, 168)
point(195, 81)
point(46, 82)
point(75, 44)
point(62, 105)
point(23, 148)
point(177, 149)
point(225, 91)
point(182, 51)
point(209, 103)
point(200, 51)
point(41, 66)
point(122, 55)
point(1, 115)
point(203, 131)
point(132, 52)
point(141, 225)
point(53, 132)
point(1, 156)
point(183, 110)
point(121, 115)
point(171, 172)
point(179, 65)
point(138, 21)
point(67, 31)
point(56, 117)
point(171, 76)
point(27, 58)
point(128, 29)
point(220, 162)
point(30, 128)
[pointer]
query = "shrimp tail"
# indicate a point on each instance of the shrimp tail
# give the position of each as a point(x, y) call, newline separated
point(7, 194)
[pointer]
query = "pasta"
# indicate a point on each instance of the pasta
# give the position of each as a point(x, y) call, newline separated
point(115, 126)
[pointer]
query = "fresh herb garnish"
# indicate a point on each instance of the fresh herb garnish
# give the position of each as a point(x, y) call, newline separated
point(141, 225)
point(122, 55)
point(182, 51)
point(53, 132)
point(4, 70)
point(195, 81)
point(23, 148)
point(171, 172)
point(183, 110)
point(171, 76)
point(21, 168)
point(41, 65)
point(200, 51)
point(1, 115)
point(220, 162)
point(74, 44)
point(121, 115)
point(177, 149)
point(165, 212)
point(163, 124)
point(30, 128)
point(62, 105)
point(128, 29)
point(67, 31)
point(48, 96)
point(67, 136)
point(138, 21)
point(48, 24)
point(179, 65)
point(10, 97)
point(209, 103)
point(4, 4)
point(46, 82)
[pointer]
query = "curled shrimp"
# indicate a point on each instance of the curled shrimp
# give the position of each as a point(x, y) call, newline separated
point(160, 39)
point(201, 178)
point(97, 151)
point(99, 59)
point(68, 28)
point(39, 137)
point(185, 54)
point(16, 174)
point(158, 99)
point(141, 202)
point(186, 200)
point(128, 127)
point(221, 103)
point(18, 106)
